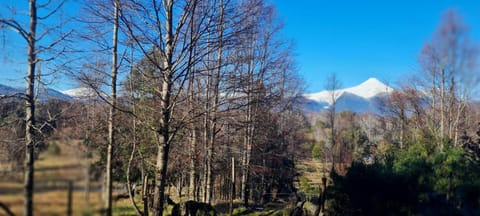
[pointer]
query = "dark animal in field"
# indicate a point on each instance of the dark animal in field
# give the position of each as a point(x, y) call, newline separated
point(175, 207)
point(192, 208)
point(300, 202)
point(120, 196)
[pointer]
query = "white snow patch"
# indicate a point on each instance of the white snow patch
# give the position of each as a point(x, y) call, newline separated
point(81, 92)
point(368, 89)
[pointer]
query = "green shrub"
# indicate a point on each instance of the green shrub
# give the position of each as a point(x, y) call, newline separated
point(317, 150)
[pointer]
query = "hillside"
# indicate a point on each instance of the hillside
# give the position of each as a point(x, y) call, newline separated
point(43, 94)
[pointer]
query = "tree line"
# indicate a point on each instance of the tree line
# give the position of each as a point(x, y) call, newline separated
point(184, 90)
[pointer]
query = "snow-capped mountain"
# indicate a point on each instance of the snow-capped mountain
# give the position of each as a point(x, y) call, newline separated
point(43, 94)
point(81, 93)
point(362, 98)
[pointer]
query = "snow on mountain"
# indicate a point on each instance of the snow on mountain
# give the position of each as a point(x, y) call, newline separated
point(81, 92)
point(368, 89)
point(47, 93)
point(42, 94)
point(360, 99)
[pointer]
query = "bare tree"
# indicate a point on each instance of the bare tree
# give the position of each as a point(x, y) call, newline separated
point(196, 54)
point(213, 110)
point(449, 66)
point(332, 86)
point(95, 46)
point(113, 104)
point(31, 39)
point(164, 45)
point(29, 33)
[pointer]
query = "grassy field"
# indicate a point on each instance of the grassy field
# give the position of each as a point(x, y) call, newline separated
point(53, 171)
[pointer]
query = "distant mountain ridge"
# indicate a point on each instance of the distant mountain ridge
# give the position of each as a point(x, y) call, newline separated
point(362, 98)
point(7, 90)
point(43, 94)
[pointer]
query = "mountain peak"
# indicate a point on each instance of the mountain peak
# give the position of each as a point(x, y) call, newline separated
point(357, 98)
point(372, 81)
point(370, 88)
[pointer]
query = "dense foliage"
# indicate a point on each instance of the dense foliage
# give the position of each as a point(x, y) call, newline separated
point(418, 180)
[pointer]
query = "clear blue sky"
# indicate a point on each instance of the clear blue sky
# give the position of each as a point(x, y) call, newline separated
point(361, 39)
point(356, 39)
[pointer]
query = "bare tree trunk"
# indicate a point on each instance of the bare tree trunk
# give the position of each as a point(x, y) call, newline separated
point(206, 142)
point(130, 191)
point(160, 176)
point(460, 112)
point(193, 147)
point(232, 195)
point(249, 127)
point(192, 186)
point(112, 113)
point(145, 195)
point(165, 106)
point(214, 109)
point(451, 108)
point(442, 107)
point(247, 150)
point(333, 85)
point(87, 179)
point(402, 127)
point(193, 172)
point(30, 139)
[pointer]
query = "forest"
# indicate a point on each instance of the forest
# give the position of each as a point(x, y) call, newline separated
point(195, 108)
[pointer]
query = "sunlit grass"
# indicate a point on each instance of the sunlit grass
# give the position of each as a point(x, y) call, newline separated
point(124, 210)
point(53, 171)
point(54, 202)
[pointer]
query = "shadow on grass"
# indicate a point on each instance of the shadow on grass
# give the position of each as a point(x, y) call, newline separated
point(239, 209)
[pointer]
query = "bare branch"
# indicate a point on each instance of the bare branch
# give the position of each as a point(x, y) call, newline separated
point(15, 26)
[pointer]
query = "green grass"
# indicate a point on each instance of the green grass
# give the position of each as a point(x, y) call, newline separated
point(124, 211)
point(241, 211)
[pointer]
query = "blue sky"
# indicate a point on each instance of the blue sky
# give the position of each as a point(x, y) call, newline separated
point(13, 50)
point(361, 39)
point(354, 39)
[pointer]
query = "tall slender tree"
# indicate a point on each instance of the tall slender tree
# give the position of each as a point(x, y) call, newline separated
point(113, 104)
point(28, 32)
point(332, 85)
